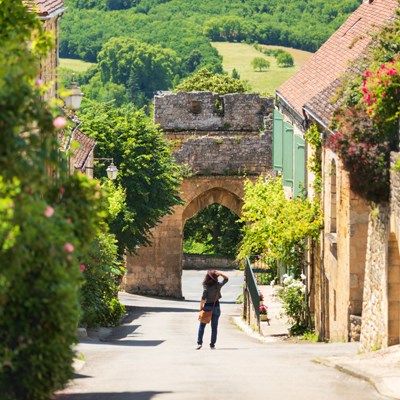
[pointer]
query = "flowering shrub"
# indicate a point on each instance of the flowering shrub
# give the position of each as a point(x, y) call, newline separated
point(261, 297)
point(292, 294)
point(381, 89)
point(366, 131)
point(263, 309)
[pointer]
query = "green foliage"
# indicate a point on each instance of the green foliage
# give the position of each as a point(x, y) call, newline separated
point(285, 59)
point(275, 226)
point(235, 74)
point(99, 294)
point(148, 180)
point(314, 139)
point(292, 295)
point(47, 220)
point(187, 26)
point(204, 80)
point(217, 228)
point(129, 70)
point(259, 63)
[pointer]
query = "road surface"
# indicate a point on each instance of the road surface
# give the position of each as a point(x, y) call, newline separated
point(152, 356)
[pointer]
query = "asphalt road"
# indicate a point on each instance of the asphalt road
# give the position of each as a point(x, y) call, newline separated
point(152, 356)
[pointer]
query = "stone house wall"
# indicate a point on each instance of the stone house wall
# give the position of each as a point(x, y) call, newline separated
point(48, 66)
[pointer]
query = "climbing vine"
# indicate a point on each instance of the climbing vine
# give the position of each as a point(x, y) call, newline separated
point(313, 138)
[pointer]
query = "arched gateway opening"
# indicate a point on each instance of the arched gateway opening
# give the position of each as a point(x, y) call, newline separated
point(157, 269)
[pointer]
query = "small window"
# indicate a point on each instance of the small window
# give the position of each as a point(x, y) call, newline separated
point(219, 107)
point(195, 107)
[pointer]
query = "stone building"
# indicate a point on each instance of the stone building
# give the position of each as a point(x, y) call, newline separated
point(81, 157)
point(347, 287)
point(218, 140)
point(49, 12)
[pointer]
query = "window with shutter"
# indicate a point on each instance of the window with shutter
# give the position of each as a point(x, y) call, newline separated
point(287, 154)
point(277, 141)
point(299, 166)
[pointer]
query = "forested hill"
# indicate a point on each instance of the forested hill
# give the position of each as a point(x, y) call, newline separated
point(188, 25)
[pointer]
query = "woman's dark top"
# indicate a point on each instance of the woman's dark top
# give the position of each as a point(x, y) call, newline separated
point(210, 292)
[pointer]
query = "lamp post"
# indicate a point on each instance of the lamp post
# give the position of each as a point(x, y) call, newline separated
point(74, 98)
point(112, 170)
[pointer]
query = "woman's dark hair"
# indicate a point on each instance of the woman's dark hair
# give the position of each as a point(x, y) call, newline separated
point(211, 278)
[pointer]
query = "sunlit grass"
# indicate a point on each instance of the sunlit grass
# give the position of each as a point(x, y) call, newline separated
point(74, 65)
point(240, 55)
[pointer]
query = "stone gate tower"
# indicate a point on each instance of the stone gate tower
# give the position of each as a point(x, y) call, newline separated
point(218, 140)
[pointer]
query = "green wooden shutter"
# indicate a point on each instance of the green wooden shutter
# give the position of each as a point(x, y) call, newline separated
point(287, 154)
point(299, 166)
point(277, 141)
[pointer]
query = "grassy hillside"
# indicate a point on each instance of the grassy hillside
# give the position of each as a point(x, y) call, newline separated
point(240, 55)
point(74, 65)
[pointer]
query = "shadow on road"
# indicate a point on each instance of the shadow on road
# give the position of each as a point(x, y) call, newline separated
point(109, 396)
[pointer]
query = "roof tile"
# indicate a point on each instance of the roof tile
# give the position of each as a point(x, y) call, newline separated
point(316, 79)
point(44, 7)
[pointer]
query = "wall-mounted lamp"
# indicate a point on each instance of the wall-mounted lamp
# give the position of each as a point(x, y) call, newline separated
point(74, 99)
point(112, 170)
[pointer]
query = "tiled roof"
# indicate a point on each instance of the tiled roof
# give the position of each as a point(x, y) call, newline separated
point(86, 146)
point(313, 84)
point(44, 7)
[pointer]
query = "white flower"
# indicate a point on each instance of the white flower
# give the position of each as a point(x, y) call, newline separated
point(303, 277)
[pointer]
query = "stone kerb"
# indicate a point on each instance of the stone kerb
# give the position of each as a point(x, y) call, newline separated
point(207, 111)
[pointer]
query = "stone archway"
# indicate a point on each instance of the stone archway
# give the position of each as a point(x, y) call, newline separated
point(215, 147)
point(157, 269)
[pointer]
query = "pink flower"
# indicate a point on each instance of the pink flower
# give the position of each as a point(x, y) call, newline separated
point(82, 267)
point(38, 83)
point(69, 247)
point(59, 122)
point(392, 71)
point(49, 212)
point(62, 190)
point(69, 220)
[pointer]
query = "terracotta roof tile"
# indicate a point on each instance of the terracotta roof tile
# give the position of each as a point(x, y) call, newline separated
point(313, 81)
point(44, 7)
point(86, 146)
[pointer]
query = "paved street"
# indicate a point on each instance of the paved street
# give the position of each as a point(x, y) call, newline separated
point(153, 356)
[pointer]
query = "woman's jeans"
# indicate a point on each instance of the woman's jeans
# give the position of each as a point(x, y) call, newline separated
point(214, 325)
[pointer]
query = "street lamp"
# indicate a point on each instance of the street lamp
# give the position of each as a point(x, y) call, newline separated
point(112, 170)
point(74, 99)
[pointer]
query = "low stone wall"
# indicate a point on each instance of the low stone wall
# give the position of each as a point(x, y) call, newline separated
point(203, 261)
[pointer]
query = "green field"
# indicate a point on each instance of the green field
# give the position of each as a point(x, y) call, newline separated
point(74, 65)
point(240, 55)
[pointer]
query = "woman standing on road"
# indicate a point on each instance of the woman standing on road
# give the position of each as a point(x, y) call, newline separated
point(210, 301)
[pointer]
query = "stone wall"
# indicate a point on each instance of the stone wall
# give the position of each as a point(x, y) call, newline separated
point(226, 155)
point(204, 261)
point(48, 66)
point(206, 111)
point(374, 333)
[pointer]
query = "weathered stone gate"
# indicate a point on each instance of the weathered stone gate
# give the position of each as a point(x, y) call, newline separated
point(219, 140)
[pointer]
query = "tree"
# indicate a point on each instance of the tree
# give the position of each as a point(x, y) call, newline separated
point(235, 74)
point(141, 68)
point(148, 176)
point(204, 80)
point(260, 63)
point(47, 221)
point(275, 226)
point(285, 59)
